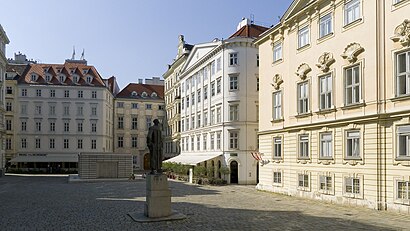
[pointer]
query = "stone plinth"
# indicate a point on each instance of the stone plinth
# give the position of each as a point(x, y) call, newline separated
point(158, 200)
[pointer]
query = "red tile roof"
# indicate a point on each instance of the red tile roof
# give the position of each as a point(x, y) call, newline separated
point(139, 89)
point(249, 31)
point(68, 69)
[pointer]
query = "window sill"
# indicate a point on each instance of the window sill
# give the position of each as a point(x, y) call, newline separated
point(303, 158)
point(400, 98)
point(306, 189)
point(353, 158)
point(325, 158)
point(326, 111)
point(352, 24)
point(275, 62)
point(277, 120)
point(402, 158)
point(305, 47)
point(353, 106)
point(303, 115)
point(353, 195)
point(325, 37)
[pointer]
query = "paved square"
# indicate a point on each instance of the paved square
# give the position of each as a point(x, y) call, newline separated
point(50, 203)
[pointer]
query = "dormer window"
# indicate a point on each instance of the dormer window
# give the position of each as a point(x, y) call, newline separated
point(59, 70)
point(154, 95)
point(134, 94)
point(89, 79)
point(61, 78)
point(75, 79)
point(144, 94)
point(45, 70)
point(85, 71)
point(48, 78)
point(72, 71)
point(33, 77)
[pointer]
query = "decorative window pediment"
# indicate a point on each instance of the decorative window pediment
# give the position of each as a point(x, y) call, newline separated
point(402, 33)
point(302, 71)
point(324, 61)
point(277, 81)
point(352, 51)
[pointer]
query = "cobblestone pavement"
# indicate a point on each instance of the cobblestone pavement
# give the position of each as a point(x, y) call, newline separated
point(50, 203)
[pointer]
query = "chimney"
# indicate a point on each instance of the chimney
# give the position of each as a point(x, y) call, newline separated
point(244, 22)
point(140, 81)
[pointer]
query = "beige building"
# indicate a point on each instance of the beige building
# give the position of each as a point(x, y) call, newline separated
point(172, 137)
point(136, 106)
point(3, 63)
point(336, 77)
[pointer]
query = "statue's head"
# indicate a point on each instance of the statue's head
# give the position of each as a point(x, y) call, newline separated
point(156, 121)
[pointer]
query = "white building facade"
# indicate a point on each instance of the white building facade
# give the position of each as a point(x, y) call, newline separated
point(219, 98)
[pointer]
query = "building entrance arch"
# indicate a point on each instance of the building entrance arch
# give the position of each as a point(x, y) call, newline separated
point(234, 172)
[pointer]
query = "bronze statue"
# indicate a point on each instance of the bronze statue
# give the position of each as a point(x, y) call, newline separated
point(154, 143)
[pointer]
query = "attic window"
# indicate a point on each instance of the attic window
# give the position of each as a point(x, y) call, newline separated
point(72, 71)
point(154, 95)
point(33, 77)
point(85, 71)
point(46, 69)
point(89, 79)
point(144, 94)
point(48, 78)
point(59, 70)
point(75, 79)
point(134, 93)
point(61, 78)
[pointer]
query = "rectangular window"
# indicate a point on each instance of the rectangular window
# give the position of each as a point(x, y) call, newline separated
point(212, 68)
point(204, 141)
point(352, 11)
point(325, 183)
point(38, 143)
point(213, 141)
point(218, 64)
point(187, 101)
point(93, 144)
point(148, 122)
point(134, 123)
point(234, 140)
point(233, 113)
point(9, 90)
point(9, 106)
point(120, 141)
point(193, 98)
point(134, 141)
point(94, 94)
point(38, 126)
point(52, 109)
point(66, 94)
point(52, 143)
point(403, 141)
point(52, 93)
point(218, 85)
point(192, 143)
point(218, 115)
point(148, 106)
point(233, 59)
point(80, 110)
point(80, 127)
point(134, 105)
point(352, 185)
point(277, 51)
point(8, 125)
point(213, 88)
point(93, 111)
point(23, 92)
point(352, 85)
point(66, 126)
point(277, 148)
point(277, 105)
point(303, 180)
point(52, 126)
point(23, 125)
point(353, 144)
point(38, 110)
point(304, 146)
point(277, 177)
point(233, 83)
point(66, 144)
point(192, 122)
point(303, 98)
point(218, 140)
point(205, 92)
point(80, 94)
point(38, 92)
point(23, 143)
point(8, 144)
point(120, 104)
point(79, 144)
point(93, 127)
point(198, 142)
point(326, 150)
point(303, 37)
point(66, 110)
point(325, 25)
point(403, 73)
point(403, 190)
point(198, 122)
point(120, 122)
point(198, 95)
point(325, 92)
point(212, 117)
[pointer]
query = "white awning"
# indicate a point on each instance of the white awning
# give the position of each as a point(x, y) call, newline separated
point(45, 158)
point(192, 158)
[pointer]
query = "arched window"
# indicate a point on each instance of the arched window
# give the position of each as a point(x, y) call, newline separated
point(154, 95)
point(61, 78)
point(89, 79)
point(144, 94)
point(134, 93)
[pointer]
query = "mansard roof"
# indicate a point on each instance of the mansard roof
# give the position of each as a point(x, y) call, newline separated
point(138, 89)
point(69, 70)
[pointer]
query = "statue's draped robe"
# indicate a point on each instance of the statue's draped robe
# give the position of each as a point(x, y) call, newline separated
point(154, 142)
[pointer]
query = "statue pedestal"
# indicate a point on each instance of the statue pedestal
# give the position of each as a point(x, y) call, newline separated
point(158, 202)
point(157, 206)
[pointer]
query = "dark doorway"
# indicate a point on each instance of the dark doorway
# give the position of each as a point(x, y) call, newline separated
point(146, 162)
point(219, 169)
point(234, 172)
point(257, 172)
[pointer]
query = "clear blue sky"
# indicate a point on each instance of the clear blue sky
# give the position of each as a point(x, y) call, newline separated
point(129, 39)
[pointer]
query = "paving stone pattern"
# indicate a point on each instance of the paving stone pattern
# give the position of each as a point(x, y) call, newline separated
point(50, 203)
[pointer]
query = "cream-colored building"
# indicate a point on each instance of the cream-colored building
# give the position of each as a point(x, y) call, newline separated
point(3, 63)
point(219, 98)
point(136, 106)
point(172, 137)
point(335, 76)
